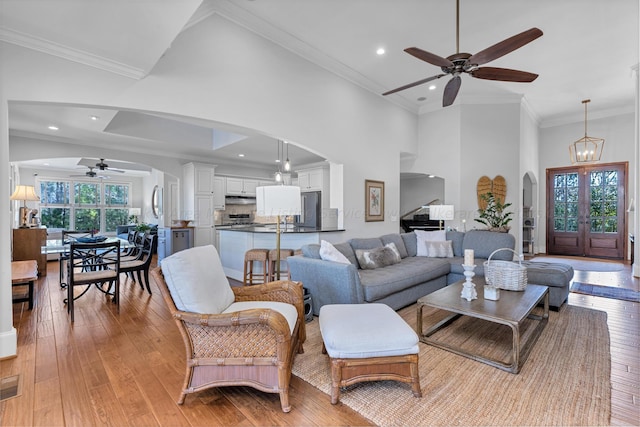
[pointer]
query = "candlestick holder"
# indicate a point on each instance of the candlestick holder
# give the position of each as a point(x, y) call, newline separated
point(468, 287)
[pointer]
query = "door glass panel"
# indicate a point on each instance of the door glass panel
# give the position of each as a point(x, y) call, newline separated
point(565, 210)
point(604, 201)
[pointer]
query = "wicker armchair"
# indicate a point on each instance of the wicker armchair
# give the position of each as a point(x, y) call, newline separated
point(253, 347)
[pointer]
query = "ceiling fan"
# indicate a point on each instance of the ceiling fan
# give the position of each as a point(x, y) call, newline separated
point(91, 174)
point(101, 165)
point(459, 63)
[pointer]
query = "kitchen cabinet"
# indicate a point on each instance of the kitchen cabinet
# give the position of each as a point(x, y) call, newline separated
point(199, 187)
point(316, 179)
point(27, 245)
point(172, 240)
point(219, 191)
point(242, 187)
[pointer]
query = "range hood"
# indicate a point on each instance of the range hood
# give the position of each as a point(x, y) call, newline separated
point(239, 200)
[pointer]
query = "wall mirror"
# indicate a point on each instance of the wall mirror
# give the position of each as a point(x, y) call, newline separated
point(155, 201)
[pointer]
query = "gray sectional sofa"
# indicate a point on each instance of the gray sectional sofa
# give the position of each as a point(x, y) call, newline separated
point(402, 284)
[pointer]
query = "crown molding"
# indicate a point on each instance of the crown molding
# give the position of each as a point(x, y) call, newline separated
point(55, 49)
point(471, 99)
point(593, 115)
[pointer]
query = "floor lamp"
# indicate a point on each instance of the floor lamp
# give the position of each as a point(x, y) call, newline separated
point(441, 213)
point(25, 193)
point(278, 200)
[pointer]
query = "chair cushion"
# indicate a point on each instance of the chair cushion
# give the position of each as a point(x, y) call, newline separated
point(197, 281)
point(287, 310)
point(354, 331)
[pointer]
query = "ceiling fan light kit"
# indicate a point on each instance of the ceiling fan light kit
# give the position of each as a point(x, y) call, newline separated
point(459, 63)
point(587, 149)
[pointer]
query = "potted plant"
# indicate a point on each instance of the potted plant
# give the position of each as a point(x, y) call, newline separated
point(494, 215)
point(143, 227)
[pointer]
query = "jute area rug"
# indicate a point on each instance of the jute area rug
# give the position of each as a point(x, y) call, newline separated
point(565, 381)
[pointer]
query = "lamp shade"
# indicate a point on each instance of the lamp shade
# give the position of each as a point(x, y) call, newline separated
point(276, 200)
point(441, 212)
point(135, 211)
point(25, 193)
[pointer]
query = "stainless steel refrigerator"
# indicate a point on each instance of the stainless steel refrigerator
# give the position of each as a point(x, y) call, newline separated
point(311, 210)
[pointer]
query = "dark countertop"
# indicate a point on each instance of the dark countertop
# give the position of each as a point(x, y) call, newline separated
point(271, 228)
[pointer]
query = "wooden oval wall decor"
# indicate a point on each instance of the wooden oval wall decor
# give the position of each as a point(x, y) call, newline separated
point(497, 186)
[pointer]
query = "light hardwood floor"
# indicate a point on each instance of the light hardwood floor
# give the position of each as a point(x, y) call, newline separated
point(127, 368)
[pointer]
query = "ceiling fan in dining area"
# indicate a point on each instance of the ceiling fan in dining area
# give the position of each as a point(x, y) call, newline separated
point(91, 173)
point(460, 63)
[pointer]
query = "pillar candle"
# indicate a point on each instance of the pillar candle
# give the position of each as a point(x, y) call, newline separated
point(468, 257)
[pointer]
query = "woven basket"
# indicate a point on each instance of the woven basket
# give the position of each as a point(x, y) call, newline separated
point(506, 275)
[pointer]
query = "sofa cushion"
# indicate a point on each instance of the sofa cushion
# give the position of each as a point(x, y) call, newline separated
point(396, 239)
point(370, 259)
point(366, 243)
point(428, 236)
point(439, 249)
point(311, 251)
point(382, 282)
point(347, 251)
point(328, 252)
point(456, 238)
point(196, 280)
point(410, 242)
point(484, 242)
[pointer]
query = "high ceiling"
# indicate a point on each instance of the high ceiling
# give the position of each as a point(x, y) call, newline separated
point(588, 50)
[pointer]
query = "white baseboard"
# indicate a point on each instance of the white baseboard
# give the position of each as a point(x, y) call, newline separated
point(8, 343)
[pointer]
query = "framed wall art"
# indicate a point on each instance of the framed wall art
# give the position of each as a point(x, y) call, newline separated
point(374, 200)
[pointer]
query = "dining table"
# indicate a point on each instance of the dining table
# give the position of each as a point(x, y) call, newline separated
point(58, 246)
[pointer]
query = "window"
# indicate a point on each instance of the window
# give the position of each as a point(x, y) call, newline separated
point(83, 205)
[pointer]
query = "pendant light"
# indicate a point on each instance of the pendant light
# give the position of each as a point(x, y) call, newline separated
point(287, 163)
point(278, 175)
point(587, 149)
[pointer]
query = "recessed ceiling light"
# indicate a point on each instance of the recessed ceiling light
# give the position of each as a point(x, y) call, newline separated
point(431, 176)
point(45, 164)
point(52, 127)
point(94, 118)
point(422, 98)
point(432, 87)
point(277, 160)
point(240, 155)
point(380, 51)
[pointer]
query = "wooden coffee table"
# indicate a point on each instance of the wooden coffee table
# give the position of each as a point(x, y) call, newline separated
point(511, 309)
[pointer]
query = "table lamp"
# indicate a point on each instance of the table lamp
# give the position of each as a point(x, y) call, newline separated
point(278, 200)
point(25, 193)
point(441, 213)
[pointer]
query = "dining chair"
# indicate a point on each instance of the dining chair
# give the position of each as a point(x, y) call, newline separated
point(93, 264)
point(141, 265)
point(68, 236)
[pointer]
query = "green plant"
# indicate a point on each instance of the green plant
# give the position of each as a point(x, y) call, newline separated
point(143, 227)
point(494, 215)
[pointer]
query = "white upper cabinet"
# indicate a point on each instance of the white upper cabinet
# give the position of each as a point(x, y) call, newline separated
point(316, 179)
point(242, 187)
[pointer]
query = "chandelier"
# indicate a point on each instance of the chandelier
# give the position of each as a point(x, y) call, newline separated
point(587, 149)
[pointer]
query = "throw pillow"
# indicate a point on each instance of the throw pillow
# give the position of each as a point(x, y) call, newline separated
point(328, 252)
point(439, 249)
point(370, 259)
point(428, 236)
point(196, 280)
point(397, 240)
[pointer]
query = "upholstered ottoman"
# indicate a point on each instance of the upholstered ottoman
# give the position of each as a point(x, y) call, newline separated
point(556, 276)
point(368, 342)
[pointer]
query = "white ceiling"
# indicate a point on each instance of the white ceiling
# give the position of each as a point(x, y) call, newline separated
point(588, 50)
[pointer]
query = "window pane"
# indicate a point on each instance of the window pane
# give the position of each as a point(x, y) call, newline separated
point(572, 224)
point(87, 219)
point(611, 178)
point(559, 194)
point(116, 194)
point(559, 181)
point(55, 217)
point(558, 224)
point(611, 225)
point(54, 192)
point(115, 217)
point(596, 225)
point(572, 180)
point(86, 194)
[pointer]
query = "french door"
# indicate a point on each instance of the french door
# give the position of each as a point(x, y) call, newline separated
point(586, 210)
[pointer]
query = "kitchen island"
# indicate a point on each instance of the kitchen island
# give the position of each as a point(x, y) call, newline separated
point(235, 241)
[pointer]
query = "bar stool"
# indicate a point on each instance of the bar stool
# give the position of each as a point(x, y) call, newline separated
point(273, 260)
point(259, 255)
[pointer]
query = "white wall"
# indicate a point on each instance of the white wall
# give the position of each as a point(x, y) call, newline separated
point(419, 190)
point(619, 135)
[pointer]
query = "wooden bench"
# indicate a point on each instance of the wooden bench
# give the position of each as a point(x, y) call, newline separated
point(24, 273)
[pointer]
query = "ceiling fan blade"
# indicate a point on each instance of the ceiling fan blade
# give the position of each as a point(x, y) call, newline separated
point(503, 74)
point(410, 85)
point(505, 46)
point(451, 91)
point(429, 57)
